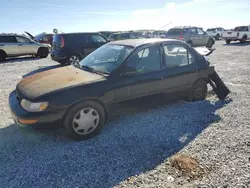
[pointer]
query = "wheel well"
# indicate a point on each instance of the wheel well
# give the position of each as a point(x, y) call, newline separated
point(41, 48)
point(90, 99)
point(2, 51)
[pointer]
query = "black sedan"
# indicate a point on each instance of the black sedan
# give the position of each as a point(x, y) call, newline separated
point(79, 96)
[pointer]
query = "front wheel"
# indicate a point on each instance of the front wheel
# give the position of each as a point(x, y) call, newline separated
point(84, 120)
point(2, 55)
point(198, 91)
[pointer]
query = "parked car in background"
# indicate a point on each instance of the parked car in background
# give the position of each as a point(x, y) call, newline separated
point(216, 32)
point(82, 96)
point(122, 36)
point(194, 36)
point(240, 33)
point(17, 45)
point(70, 48)
point(42, 37)
point(106, 34)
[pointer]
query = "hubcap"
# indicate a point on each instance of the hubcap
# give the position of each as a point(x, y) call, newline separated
point(86, 121)
point(74, 60)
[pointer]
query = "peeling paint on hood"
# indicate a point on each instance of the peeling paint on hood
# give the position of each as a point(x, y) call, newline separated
point(48, 81)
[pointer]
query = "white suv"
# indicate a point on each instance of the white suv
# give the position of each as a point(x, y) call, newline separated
point(216, 32)
point(16, 45)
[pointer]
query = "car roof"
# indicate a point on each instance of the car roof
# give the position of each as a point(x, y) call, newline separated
point(139, 42)
point(78, 33)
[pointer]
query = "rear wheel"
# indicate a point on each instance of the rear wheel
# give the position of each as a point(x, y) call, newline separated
point(210, 43)
point(198, 91)
point(190, 43)
point(84, 120)
point(217, 37)
point(74, 59)
point(228, 41)
point(2, 55)
point(243, 40)
point(43, 52)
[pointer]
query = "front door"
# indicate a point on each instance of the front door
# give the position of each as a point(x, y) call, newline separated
point(26, 46)
point(203, 38)
point(143, 75)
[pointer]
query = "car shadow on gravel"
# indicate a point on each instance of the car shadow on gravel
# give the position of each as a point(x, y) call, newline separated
point(247, 43)
point(41, 69)
point(19, 59)
point(130, 144)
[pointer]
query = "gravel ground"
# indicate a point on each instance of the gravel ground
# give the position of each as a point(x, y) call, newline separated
point(134, 149)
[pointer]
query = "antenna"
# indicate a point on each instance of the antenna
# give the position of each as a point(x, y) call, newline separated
point(163, 27)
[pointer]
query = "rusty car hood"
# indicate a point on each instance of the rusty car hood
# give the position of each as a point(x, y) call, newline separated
point(48, 81)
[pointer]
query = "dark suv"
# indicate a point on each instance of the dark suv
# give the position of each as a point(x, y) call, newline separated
point(70, 48)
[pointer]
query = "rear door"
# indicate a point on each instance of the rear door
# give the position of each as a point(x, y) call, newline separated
point(9, 45)
point(181, 70)
point(146, 79)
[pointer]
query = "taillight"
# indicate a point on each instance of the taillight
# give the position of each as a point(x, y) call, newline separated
point(62, 42)
point(181, 36)
point(238, 34)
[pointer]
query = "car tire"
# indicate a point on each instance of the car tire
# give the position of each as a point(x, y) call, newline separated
point(217, 37)
point(73, 59)
point(42, 52)
point(243, 40)
point(190, 43)
point(78, 128)
point(210, 43)
point(198, 91)
point(228, 41)
point(2, 55)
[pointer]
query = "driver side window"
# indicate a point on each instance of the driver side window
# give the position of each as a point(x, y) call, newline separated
point(146, 60)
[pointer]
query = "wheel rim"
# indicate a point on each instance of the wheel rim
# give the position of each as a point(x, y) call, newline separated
point(74, 60)
point(197, 92)
point(210, 43)
point(85, 121)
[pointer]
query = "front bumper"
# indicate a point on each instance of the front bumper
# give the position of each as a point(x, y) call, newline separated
point(20, 115)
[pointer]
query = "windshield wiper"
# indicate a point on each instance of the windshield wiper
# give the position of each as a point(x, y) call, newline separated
point(91, 69)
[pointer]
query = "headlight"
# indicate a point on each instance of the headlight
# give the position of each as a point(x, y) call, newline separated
point(34, 107)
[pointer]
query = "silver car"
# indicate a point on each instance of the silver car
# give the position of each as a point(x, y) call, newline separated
point(194, 36)
point(16, 45)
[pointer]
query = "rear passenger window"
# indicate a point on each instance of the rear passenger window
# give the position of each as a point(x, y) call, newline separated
point(177, 56)
point(7, 39)
point(97, 38)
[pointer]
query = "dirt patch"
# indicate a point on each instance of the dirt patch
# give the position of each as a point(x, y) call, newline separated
point(187, 166)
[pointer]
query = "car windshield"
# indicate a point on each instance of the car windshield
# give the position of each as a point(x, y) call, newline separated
point(106, 58)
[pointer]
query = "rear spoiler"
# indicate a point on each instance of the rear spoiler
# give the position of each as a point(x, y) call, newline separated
point(204, 51)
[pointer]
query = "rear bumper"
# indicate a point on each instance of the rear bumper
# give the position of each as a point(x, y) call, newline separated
point(230, 38)
point(20, 115)
point(58, 57)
